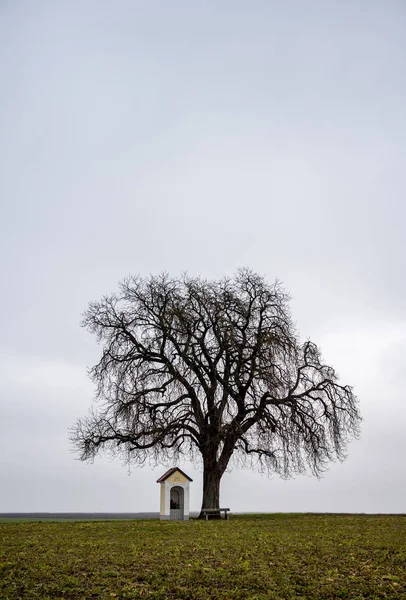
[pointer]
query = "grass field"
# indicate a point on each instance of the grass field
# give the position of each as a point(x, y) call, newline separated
point(250, 557)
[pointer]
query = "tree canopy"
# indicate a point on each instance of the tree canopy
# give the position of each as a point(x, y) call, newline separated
point(212, 370)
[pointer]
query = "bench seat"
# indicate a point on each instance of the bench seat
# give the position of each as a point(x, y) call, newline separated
point(215, 511)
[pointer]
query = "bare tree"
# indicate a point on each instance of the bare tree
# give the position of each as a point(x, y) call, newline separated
point(212, 370)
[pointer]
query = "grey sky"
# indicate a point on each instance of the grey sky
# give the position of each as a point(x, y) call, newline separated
point(141, 136)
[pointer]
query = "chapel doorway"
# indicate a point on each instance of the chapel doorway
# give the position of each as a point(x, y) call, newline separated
point(177, 503)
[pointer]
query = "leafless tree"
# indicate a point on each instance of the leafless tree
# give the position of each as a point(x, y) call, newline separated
point(212, 370)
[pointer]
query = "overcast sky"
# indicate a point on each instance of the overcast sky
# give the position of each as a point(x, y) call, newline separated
point(142, 136)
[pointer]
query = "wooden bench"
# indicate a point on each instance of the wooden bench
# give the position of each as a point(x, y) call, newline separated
point(207, 512)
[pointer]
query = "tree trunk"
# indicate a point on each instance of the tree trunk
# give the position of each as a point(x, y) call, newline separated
point(211, 486)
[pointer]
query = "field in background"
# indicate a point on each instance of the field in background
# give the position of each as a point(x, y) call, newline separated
point(250, 557)
point(66, 517)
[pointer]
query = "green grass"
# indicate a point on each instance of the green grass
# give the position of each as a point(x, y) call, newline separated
point(251, 557)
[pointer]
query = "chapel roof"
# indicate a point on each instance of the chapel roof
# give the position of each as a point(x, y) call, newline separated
point(170, 471)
